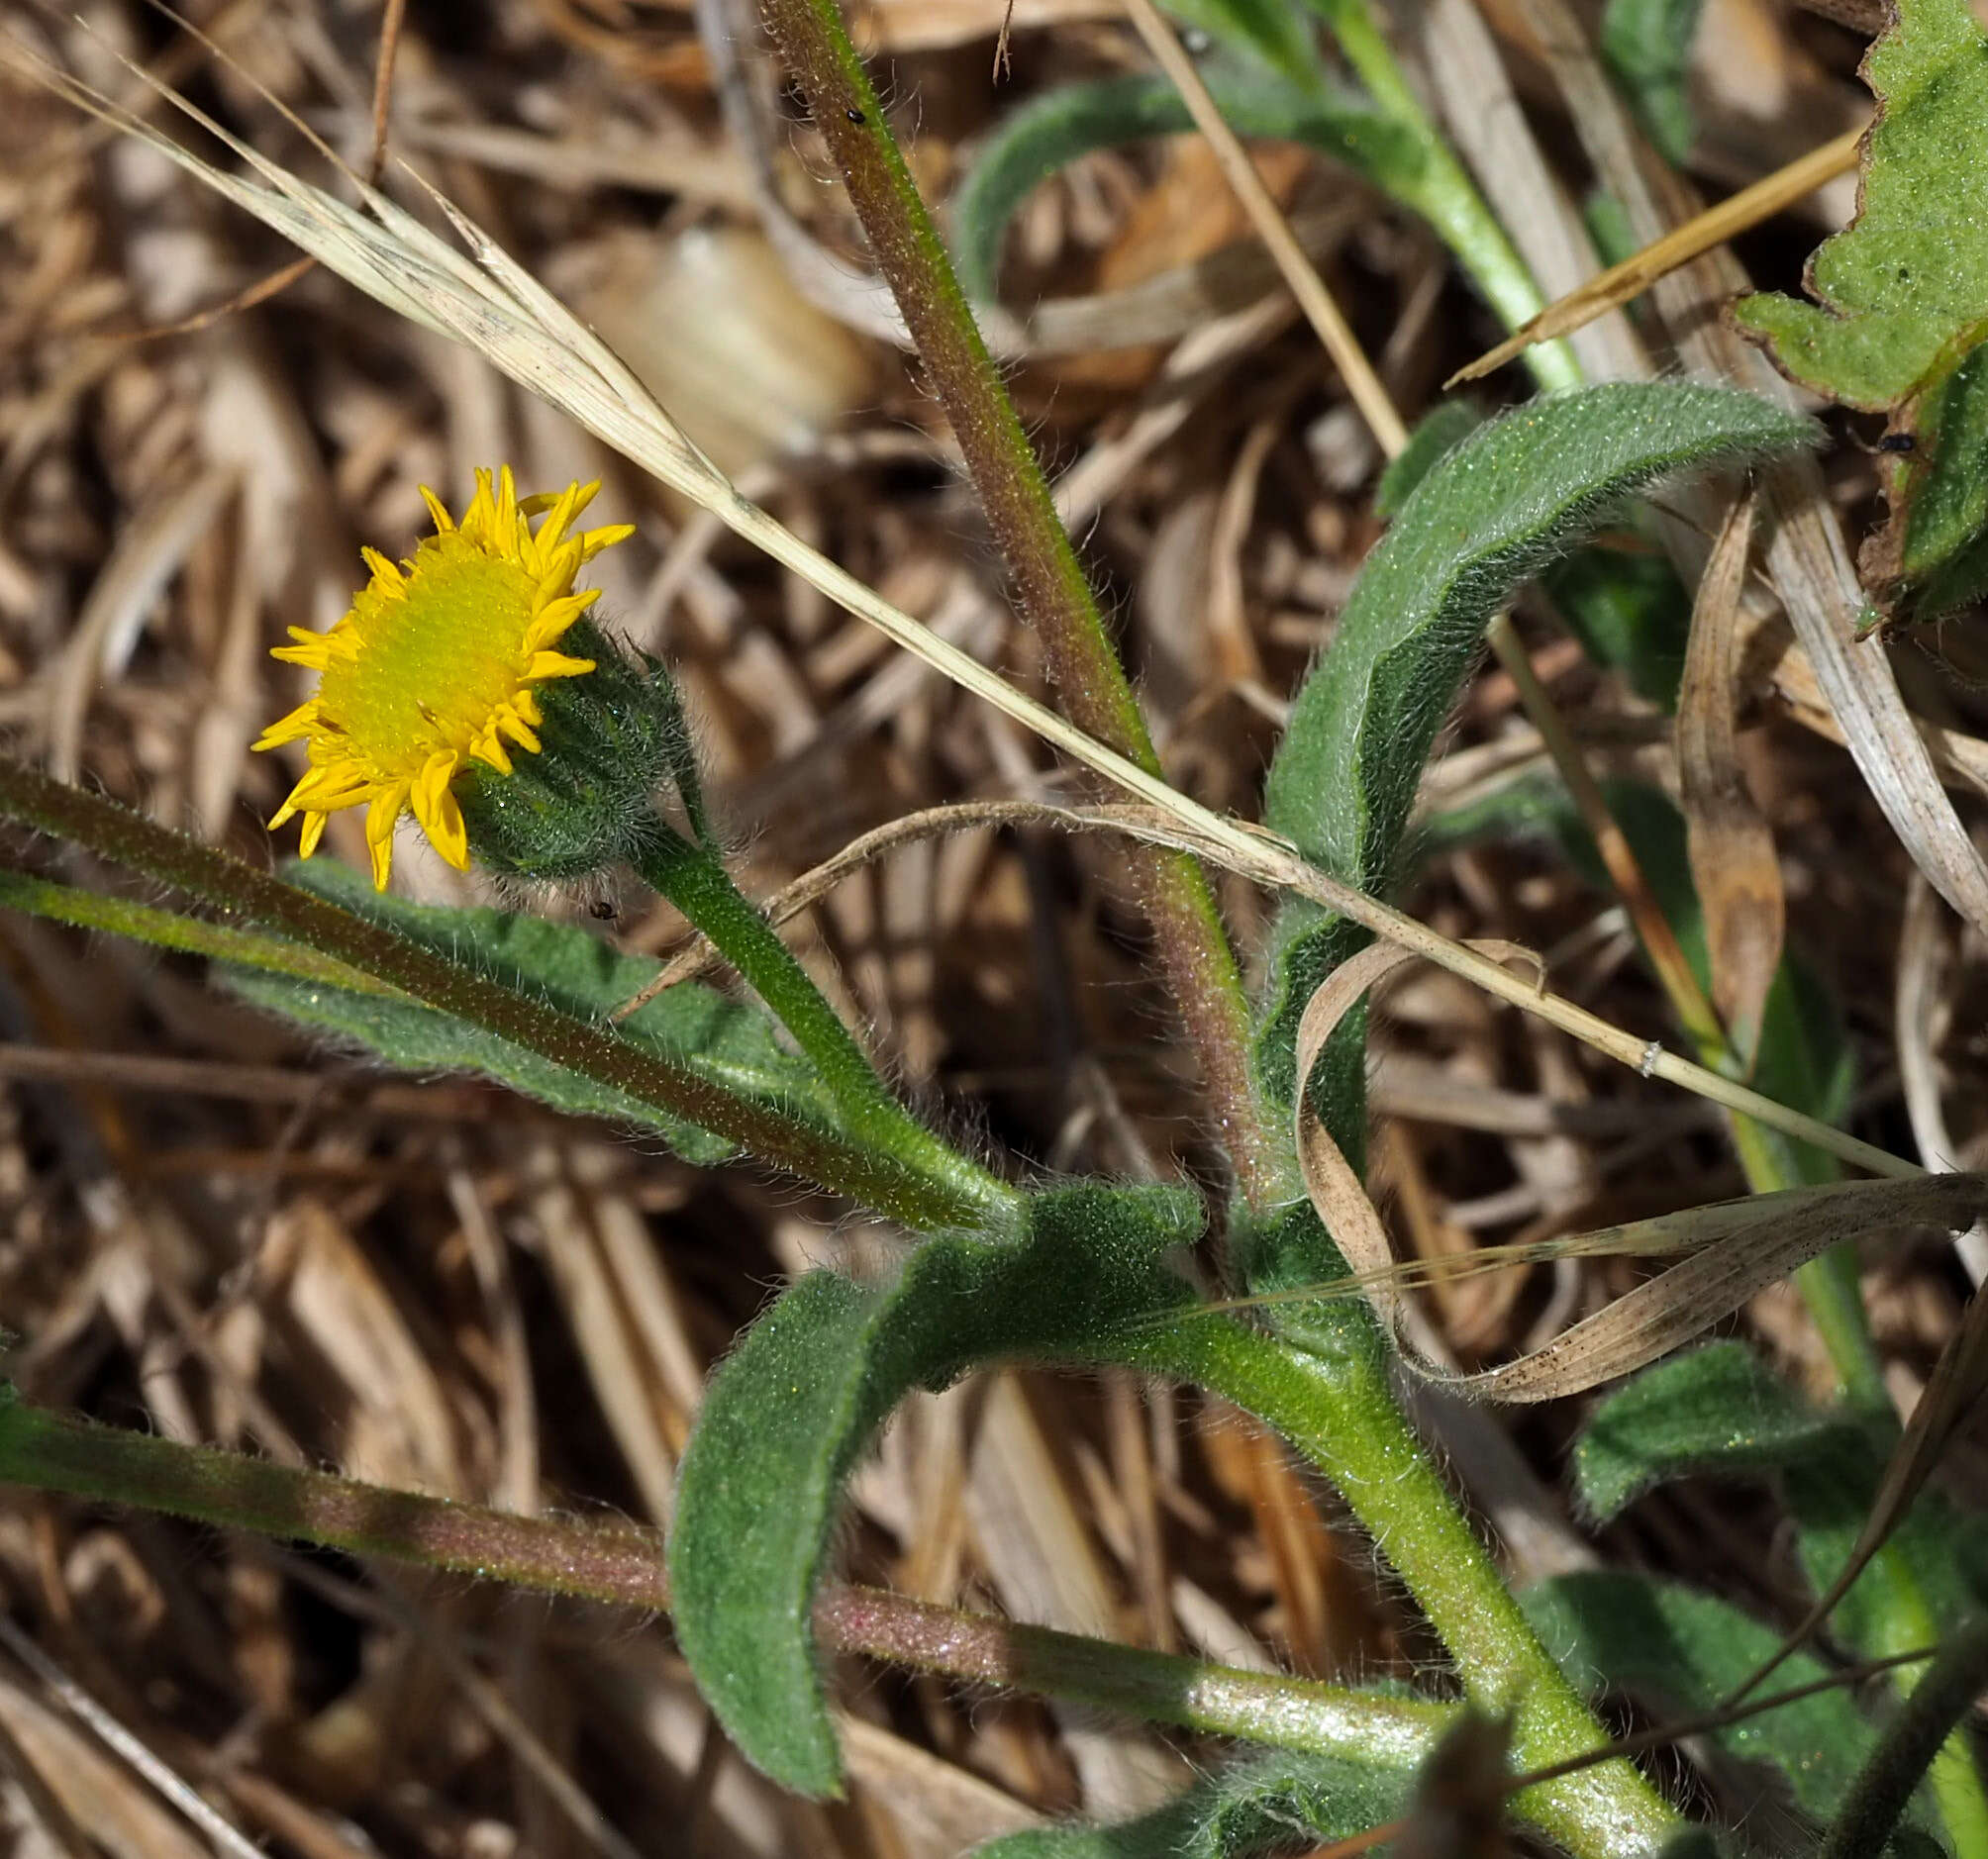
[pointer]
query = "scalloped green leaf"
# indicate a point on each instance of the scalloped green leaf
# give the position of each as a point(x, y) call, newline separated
point(1902, 293)
point(1716, 1408)
point(1052, 130)
point(1931, 558)
point(796, 1402)
point(1902, 307)
point(1492, 511)
point(733, 1043)
point(1263, 1804)
point(1676, 1651)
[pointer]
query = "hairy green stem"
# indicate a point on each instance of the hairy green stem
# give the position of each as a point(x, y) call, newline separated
point(694, 879)
point(1930, 1732)
point(843, 1166)
point(1148, 1687)
point(49, 1451)
point(1054, 593)
point(1342, 1414)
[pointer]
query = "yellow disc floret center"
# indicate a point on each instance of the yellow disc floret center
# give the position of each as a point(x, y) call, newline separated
point(435, 666)
point(436, 669)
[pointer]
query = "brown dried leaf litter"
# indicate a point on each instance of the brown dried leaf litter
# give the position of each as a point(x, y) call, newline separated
point(447, 1288)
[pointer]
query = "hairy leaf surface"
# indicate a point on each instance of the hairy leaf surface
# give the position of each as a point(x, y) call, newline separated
point(1266, 1804)
point(1718, 1409)
point(1493, 510)
point(1902, 306)
point(731, 1042)
point(1902, 293)
point(797, 1402)
point(1720, 1412)
point(1676, 1651)
point(1625, 604)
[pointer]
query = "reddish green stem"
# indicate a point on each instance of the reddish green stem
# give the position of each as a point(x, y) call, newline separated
point(1055, 593)
point(128, 839)
point(623, 1565)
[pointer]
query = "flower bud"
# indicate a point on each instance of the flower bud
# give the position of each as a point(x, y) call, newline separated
point(586, 801)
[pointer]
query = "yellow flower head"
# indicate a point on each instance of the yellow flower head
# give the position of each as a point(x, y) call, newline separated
point(434, 665)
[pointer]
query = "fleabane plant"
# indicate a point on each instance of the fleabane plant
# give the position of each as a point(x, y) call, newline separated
point(471, 687)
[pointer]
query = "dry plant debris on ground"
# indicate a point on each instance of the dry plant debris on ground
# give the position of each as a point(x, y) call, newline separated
point(215, 1231)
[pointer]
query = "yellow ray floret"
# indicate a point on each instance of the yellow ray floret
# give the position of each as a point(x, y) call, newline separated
point(434, 665)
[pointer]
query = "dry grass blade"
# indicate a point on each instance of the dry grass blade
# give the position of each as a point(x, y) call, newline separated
point(1623, 283)
point(220, 1832)
point(1335, 334)
point(149, 553)
point(1652, 928)
point(1735, 1248)
point(1921, 1015)
point(1731, 845)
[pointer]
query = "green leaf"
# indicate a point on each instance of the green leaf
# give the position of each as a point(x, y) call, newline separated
point(1932, 556)
point(1646, 44)
point(731, 1043)
point(1628, 610)
point(1676, 1651)
point(171, 929)
point(1830, 1496)
point(790, 1411)
point(1266, 30)
point(1269, 1803)
point(1718, 1409)
point(1624, 604)
point(1902, 307)
point(1902, 294)
point(1045, 134)
point(1440, 430)
point(1495, 509)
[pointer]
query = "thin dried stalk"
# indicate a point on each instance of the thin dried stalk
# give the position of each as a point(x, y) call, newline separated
point(1625, 282)
point(1335, 334)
